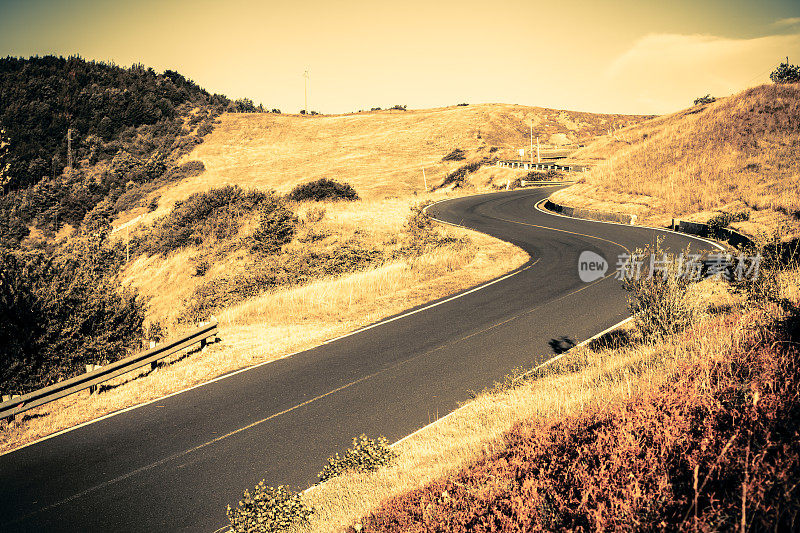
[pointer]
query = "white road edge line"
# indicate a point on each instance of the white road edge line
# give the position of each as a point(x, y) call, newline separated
point(245, 369)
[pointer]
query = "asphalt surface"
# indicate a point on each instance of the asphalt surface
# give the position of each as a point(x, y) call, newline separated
point(174, 464)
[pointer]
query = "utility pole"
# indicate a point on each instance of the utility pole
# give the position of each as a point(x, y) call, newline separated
point(69, 151)
point(305, 77)
point(538, 159)
point(531, 141)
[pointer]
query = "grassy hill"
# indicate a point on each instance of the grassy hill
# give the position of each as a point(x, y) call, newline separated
point(380, 153)
point(736, 154)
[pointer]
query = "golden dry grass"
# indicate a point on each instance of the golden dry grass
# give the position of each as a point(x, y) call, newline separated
point(608, 378)
point(380, 153)
point(739, 153)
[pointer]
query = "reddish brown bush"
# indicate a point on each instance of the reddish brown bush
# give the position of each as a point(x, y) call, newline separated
point(722, 437)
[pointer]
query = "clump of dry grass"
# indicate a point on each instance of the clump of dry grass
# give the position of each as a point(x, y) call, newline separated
point(738, 153)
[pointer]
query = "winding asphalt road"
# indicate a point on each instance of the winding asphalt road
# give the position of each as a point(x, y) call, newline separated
point(174, 464)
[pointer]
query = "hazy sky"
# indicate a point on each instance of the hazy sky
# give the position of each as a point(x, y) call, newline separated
point(619, 56)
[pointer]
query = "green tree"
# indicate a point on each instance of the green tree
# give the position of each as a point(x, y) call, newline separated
point(786, 73)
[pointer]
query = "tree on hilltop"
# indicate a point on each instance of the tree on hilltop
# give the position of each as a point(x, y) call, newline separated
point(786, 73)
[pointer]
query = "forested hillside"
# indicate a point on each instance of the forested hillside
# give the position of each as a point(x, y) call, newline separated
point(61, 303)
point(134, 119)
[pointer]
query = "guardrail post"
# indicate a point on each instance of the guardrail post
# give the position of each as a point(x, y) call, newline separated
point(154, 364)
point(91, 368)
point(6, 397)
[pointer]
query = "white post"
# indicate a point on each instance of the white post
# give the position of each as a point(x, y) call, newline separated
point(425, 179)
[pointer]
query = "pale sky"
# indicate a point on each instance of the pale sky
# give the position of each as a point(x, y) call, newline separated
point(617, 57)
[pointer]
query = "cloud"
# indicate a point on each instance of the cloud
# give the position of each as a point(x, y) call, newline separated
point(783, 23)
point(661, 73)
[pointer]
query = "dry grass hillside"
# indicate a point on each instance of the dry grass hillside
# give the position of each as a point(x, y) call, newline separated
point(380, 153)
point(736, 154)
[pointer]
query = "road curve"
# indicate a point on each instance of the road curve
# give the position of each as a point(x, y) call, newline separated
point(174, 464)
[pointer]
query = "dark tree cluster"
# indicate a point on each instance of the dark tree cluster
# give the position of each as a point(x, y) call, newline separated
point(138, 120)
point(42, 97)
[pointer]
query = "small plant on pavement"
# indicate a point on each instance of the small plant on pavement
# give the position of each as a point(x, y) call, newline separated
point(268, 510)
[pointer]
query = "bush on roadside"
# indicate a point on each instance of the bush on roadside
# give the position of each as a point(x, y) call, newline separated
point(458, 176)
point(657, 299)
point(323, 189)
point(723, 219)
point(59, 313)
point(366, 455)
point(202, 216)
point(276, 270)
point(268, 510)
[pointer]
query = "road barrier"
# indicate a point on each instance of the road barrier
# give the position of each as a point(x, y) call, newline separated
point(527, 183)
point(592, 214)
point(527, 165)
point(728, 235)
point(15, 405)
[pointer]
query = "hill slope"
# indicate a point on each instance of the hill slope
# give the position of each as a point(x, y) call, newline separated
point(736, 154)
point(380, 153)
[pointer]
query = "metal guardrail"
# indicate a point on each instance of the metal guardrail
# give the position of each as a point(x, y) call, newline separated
point(527, 165)
point(19, 404)
point(526, 183)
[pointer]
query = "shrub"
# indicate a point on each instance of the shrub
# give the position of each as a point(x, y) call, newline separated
point(57, 314)
point(214, 213)
point(366, 455)
point(463, 105)
point(537, 175)
point(421, 236)
point(459, 175)
point(283, 270)
point(786, 73)
point(455, 155)
point(323, 189)
point(153, 204)
point(399, 107)
point(723, 219)
point(658, 301)
point(276, 111)
point(707, 99)
point(268, 510)
point(277, 226)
